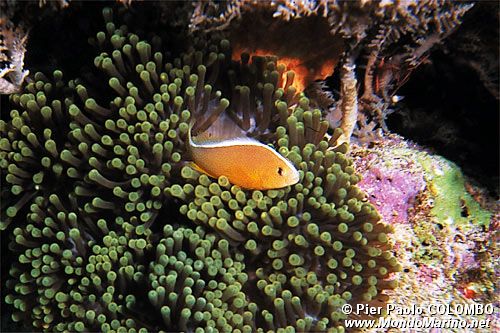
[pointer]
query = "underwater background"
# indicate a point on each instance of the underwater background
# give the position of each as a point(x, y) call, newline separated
point(389, 110)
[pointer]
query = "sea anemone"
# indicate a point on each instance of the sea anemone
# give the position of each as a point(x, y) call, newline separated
point(115, 230)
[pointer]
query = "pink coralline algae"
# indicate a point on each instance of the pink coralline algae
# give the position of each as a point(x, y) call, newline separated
point(391, 188)
point(427, 274)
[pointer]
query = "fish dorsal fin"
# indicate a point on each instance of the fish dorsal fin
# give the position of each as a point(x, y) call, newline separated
point(222, 129)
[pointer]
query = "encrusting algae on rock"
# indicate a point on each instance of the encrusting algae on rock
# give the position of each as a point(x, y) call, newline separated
point(444, 238)
point(115, 231)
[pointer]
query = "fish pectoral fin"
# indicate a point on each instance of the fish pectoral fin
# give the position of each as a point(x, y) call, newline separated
point(200, 169)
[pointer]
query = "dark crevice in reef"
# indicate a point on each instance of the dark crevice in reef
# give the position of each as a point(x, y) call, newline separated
point(451, 107)
point(52, 43)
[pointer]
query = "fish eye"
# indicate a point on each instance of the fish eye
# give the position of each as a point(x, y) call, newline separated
point(280, 171)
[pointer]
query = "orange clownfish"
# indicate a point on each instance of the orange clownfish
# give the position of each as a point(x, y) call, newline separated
point(244, 161)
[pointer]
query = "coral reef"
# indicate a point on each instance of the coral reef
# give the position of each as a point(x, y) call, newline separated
point(115, 231)
point(386, 39)
point(377, 43)
point(460, 122)
point(391, 179)
point(447, 239)
point(106, 226)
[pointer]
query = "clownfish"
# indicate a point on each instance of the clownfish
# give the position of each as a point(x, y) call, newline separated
point(244, 161)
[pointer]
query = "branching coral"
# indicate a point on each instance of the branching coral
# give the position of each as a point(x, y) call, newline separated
point(95, 169)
